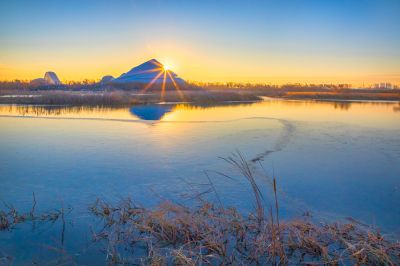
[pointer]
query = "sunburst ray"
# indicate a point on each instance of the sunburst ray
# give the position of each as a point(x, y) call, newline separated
point(163, 87)
point(176, 86)
point(151, 82)
point(150, 70)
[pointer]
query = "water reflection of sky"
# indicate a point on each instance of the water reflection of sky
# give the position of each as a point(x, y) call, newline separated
point(332, 160)
point(374, 114)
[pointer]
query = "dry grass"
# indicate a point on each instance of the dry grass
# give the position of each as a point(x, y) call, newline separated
point(345, 95)
point(216, 235)
point(120, 97)
point(173, 234)
point(11, 217)
point(70, 98)
point(92, 93)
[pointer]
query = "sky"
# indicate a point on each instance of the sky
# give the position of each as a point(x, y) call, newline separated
point(275, 42)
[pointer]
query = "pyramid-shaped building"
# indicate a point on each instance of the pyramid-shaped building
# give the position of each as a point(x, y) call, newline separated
point(151, 71)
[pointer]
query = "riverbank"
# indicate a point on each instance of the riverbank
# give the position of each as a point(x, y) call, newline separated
point(197, 96)
point(121, 98)
point(345, 96)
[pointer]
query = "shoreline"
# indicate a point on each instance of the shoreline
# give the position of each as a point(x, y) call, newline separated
point(338, 100)
point(206, 96)
point(219, 103)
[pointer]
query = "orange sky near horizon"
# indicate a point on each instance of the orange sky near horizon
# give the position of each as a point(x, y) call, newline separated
point(268, 42)
point(195, 66)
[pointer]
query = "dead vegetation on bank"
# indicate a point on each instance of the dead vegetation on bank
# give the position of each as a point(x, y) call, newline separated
point(210, 234)
point(388, 95)
point(96, 94)
point(10, 217)
point(122, 98)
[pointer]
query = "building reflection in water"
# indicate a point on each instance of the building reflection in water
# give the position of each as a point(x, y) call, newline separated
point(151, 112)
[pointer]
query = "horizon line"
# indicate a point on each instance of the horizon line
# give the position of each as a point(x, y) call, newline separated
point(239, 83)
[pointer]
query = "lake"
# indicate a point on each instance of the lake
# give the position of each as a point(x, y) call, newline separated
point(331, 159)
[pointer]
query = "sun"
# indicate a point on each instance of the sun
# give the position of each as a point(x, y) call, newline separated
point(166, 67)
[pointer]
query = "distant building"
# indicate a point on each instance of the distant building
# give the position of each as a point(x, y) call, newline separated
point(50, 78)
point(39, 82)
point(106, 79)
point(384, 85)
point(149, 72)
point(344, 86)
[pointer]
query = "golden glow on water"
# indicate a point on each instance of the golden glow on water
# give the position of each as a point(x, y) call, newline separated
point(66, 112)
point(384, 115)
point(368, 114)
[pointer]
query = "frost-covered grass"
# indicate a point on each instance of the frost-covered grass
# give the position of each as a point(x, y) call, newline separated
point(92, 93)
point(214, 235)
point(209, 233)
point(349, 95)
point(122, 98)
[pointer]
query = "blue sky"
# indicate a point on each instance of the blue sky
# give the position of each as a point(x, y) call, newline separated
point(256, 41)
